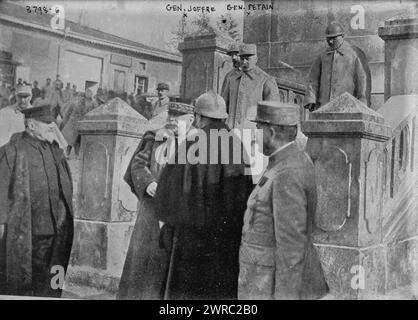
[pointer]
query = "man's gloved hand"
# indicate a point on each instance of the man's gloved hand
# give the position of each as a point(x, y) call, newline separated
point(310, 106)
point(152, 188)
point(166, 236)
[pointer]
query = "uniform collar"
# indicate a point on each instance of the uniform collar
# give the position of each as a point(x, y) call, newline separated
point(342, 50)
point(282, 153)
point(252, 74)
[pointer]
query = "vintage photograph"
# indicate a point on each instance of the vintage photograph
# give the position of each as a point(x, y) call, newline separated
point(235, 150)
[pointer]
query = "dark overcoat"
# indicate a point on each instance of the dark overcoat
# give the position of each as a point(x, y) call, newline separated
point(146, 262)
point(203, 205)
point(26, 211)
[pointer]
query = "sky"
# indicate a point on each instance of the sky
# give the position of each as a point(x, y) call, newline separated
point(147, 22)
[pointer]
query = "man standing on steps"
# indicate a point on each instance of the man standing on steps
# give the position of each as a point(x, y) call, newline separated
point(342, 68)
point(246, 88)
point(233, 52)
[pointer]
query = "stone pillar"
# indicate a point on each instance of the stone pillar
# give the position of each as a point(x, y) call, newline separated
point(105, 208)
point(401, 55)
point(205, 64)
point(346, 141)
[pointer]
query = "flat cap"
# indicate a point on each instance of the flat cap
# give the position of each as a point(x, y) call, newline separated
point(180, 108)
point(163, 86)
point(248, 49)
point(277, 113)
point(24, 91)
point(42, 113)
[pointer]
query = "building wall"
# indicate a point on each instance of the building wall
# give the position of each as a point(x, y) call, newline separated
point(38, 55)
point(293, 33)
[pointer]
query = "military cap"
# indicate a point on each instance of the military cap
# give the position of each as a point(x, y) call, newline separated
point(233, 48)
point(163, 86)
point(211, 105)
point(248, 50)
point(180, 108)
point(334, 29)
point(24, 91)
point(42, 113)
point(277, 113)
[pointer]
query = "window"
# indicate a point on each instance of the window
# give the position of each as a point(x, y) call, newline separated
point(141, 85)
point(143, 65)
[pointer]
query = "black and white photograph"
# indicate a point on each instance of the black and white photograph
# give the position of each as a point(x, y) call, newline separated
point(211, 153)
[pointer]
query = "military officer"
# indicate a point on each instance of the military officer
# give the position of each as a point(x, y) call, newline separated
point(277, 257)
point(246, 88)
point(233, 52)
point(342, 68)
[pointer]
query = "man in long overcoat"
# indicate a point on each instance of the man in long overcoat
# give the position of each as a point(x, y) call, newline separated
point(277, 257)
point(35, 208)
point(146, 264)
point(342, 68)
point(246, 88)
point(233, 52)
point(202, 205)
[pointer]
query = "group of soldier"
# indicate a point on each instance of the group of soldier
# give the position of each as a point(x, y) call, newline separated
point(203, 230)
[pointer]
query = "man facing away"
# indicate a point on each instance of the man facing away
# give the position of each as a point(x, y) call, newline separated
point(277, 258)
point(202, 205)
point(35, 208)
point(145, 269)
point(342, 68)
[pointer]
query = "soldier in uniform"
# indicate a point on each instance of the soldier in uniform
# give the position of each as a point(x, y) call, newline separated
point(277, 257)
point(342, 68)
point(246, 88)
point(146, 262)
point(36, 207)
point(160, 107)
point(236, 66)
point(11, 117)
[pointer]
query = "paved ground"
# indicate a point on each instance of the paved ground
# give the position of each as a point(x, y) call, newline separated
point(75, 292)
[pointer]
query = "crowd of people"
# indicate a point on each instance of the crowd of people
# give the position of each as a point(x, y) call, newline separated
point(203, 230)
point(69, 105)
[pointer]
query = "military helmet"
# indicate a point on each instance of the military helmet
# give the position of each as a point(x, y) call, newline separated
point(334, 29)
point(211, 105)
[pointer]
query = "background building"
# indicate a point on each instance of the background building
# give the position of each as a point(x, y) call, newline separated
point(80, 53)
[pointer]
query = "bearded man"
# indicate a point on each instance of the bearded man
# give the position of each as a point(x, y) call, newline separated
point(146, 264)
point(36, 215)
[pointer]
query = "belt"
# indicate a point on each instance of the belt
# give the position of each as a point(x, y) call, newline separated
point(261, 239)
